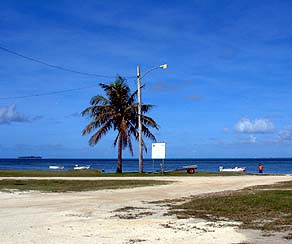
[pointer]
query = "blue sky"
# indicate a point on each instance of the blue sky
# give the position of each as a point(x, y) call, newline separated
point(227, 92)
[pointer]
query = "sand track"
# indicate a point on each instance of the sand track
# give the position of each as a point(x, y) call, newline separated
point(90, 217)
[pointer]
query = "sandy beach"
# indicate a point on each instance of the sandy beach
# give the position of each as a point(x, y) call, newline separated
point(90, 217)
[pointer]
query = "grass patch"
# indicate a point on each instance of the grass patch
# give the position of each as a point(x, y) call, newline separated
point(127, 209)
point(46, 173)
point(288, 237)
point(133, 241)
point(287, 185)
point(267, 208)
point(137, 215)
point(73, 185)
point(132, 213)
point(97, 173)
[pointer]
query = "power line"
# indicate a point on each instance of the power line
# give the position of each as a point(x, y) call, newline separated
point(57, 66)
point(47, 93)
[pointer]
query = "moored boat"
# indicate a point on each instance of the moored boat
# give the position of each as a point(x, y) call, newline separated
point(56, 167)
point(76, 167)
point(235, 169)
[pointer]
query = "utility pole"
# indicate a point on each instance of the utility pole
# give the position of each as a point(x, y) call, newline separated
point(139, 78)
point(140, 120)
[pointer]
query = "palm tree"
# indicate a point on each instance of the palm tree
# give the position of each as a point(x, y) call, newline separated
point(117, 111)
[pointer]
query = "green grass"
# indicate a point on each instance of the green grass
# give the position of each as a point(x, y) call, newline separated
point(96, 173)
point(45, 173)
point(73, 185)
point(264, 207)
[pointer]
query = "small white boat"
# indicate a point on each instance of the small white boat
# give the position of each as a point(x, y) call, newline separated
point(235, 169)
point(76, 167)
point(56, 167)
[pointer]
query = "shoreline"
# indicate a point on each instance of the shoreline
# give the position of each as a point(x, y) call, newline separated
point(143, 177)
point(91, 217)
point(271, 165)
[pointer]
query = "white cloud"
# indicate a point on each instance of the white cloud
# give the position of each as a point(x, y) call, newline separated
point(252, 139)
point(242, 140)
point(286, 135)
point(9, 114)
point(257, 126)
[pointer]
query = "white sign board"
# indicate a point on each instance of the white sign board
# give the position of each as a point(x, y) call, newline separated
point(158, 150)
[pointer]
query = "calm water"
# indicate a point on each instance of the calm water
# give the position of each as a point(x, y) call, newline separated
point(271, 166)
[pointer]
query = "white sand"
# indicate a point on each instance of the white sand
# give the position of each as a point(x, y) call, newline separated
point(88, 217)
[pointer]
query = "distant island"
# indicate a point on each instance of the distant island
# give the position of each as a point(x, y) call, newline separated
point(30, 157)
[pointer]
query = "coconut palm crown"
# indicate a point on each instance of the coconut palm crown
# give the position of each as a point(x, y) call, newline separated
point(118, 110)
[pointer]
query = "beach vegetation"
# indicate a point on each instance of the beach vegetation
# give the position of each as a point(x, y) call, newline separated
point(98, 173)
point(49, 173)
point(266, 207)
point(117, 111)
point(60, 185)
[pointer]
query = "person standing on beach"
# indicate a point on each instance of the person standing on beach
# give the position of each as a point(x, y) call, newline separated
point(260, 168)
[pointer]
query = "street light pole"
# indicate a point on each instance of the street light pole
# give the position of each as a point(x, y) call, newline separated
point(139, 78)
point(139, 120)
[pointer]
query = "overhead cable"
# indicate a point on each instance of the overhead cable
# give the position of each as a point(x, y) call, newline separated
point(47, 93)
point(57, 66)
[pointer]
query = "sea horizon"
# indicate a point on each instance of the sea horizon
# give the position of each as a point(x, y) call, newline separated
point(271, 165)
point(173, 158)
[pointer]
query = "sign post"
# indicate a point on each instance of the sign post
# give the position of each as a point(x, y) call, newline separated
point(158, 152)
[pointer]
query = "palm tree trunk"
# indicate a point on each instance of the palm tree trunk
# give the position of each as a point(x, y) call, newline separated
point(120, 151)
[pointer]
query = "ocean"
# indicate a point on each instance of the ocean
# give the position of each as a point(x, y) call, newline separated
point(271, 166)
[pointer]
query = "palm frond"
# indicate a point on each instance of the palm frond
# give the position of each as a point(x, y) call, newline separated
point(102, 131)
point(130, 144)
point(147, 121)
point(146, 132)
point(116, 139)
point(145, 108)
point(99, 100)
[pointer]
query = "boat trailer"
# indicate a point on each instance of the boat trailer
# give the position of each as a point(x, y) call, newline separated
point(191, 169)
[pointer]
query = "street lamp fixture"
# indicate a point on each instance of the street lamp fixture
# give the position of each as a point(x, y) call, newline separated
point(139, 78)
point(163, 66)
